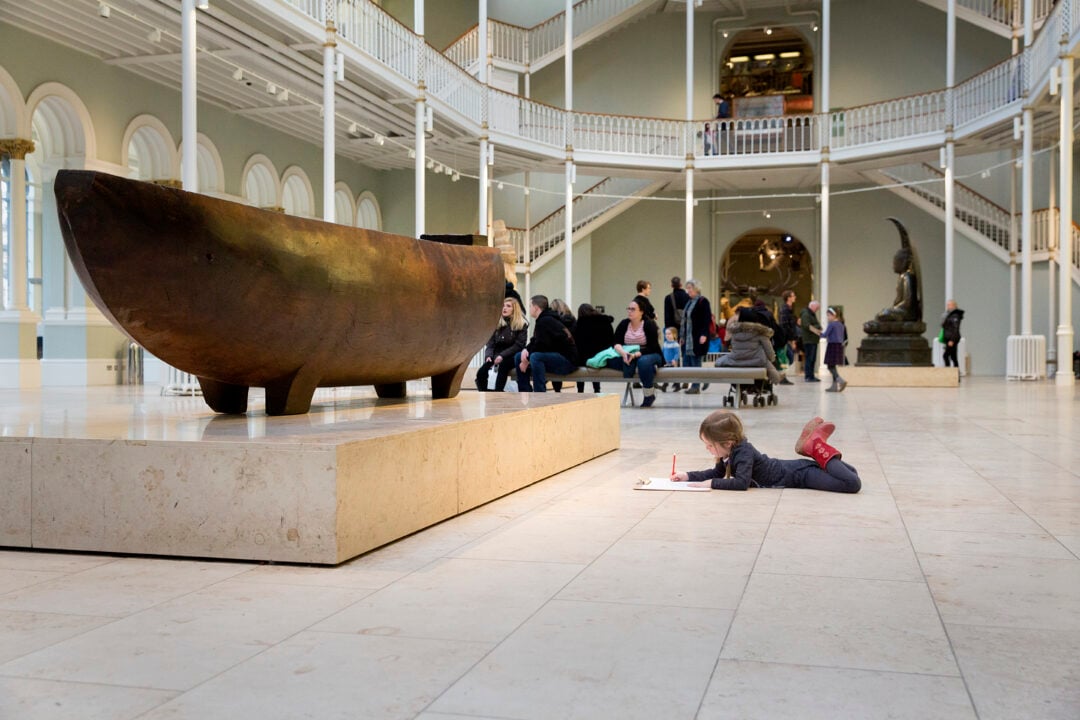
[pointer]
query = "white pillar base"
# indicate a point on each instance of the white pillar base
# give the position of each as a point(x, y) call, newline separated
point(1065, 376)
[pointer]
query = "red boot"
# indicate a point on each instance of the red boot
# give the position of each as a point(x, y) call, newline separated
point(822, 452)
point(819, 431)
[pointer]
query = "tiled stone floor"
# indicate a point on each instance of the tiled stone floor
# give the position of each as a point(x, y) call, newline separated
point(948, 588)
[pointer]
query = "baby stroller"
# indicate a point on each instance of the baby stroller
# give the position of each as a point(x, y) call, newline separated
point(760, 394)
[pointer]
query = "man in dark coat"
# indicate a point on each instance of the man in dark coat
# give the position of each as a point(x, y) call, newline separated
point(788, 324)
point(950, 329)
point(811, 333)
point(551, 348)
point(674, 304)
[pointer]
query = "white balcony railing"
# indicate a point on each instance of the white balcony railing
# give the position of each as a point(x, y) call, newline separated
point(910, 119)
point(989, 91)
point(1007, 12)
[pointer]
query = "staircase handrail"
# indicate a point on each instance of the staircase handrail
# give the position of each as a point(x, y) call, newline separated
point(524, 46)
point(989, 90)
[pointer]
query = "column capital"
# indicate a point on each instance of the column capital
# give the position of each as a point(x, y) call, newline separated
point(16, 148)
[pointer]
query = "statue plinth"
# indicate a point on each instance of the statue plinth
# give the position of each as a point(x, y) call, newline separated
point(894, 343)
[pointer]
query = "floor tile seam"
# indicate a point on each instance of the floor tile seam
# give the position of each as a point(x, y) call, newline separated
point(510, 633)
point(311, 586)
point(1000, 556)
point(1014, 626)
point(67, 638)
point(87, 683)
point(399, 636)
point(818, 666)
point(738, 604)
point(937, 610)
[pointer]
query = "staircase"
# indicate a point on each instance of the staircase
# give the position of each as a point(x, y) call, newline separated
point(603, 201)
point(985, 222)
point(1001, 17)
point(528, 49)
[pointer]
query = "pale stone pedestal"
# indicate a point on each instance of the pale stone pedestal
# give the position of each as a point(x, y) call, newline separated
point(893, 376)
point(316, 488)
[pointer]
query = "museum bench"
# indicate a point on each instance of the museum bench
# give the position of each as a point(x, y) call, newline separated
point(733, 375)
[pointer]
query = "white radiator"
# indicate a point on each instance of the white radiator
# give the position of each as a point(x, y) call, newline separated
point(1025, 357)
point(180, 383)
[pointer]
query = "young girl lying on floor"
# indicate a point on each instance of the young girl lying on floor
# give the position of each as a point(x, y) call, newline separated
point(739, 465)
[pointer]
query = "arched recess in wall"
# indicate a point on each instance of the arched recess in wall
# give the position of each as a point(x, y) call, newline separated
point(368, 214)
point(12, 108)
point(344, 210)
point(61, 128)
point(297, 197)
point(149, 151)
point(765, 262)
point(211, 170)
point(259, 183)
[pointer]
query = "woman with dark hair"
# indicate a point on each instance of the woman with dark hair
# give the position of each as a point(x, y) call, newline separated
point(636, 330)
point(592, 334)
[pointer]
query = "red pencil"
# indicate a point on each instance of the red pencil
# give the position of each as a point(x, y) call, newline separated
point(672, 463)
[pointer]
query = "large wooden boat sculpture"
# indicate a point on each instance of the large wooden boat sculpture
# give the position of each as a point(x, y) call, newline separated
point(242, 297)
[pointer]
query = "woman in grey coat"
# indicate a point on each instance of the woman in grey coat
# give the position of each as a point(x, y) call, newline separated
point(751, 346)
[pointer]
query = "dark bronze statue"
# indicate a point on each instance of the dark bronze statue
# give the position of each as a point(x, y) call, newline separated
point(242, 297)
point(895, 335)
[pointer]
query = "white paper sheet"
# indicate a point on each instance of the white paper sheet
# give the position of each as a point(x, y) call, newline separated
point(667, 484)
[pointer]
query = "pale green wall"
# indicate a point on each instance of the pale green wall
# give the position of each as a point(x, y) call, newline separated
point(444, 20)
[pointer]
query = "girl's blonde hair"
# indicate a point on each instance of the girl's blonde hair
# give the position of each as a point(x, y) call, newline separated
point(722, 427)
point(517, 317)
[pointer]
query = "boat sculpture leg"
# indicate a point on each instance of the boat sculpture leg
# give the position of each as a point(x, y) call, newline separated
point(224, 397)
point(291, 395)
point(390, 390)
point(447, 384)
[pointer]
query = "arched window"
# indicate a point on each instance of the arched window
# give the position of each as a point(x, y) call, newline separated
point(768, 72)
point(368, 214)
point(297, 196)
point(149, 150)
point(260, 182)
point(344, 211)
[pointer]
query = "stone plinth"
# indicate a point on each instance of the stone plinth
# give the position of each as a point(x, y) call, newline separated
point(894, 350)
point(317, 488)
point(883, 376)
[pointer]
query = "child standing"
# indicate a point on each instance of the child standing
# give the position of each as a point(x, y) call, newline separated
point(835, 334)
point(672, 354)
point(739, 465)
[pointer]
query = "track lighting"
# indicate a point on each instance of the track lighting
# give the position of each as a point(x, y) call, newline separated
point(154, 35)
point(104, 10)
point(412, 154)
point(379, 140)
point(438, 168)
point(238, 75)
point(430, 163)
point(354, 130)
point(271, 88)
point(456, 176)
point(768, 31)
point(203, 4)
point(766, 214)
point(814, 28)
point(499, 186)
point(283, 96)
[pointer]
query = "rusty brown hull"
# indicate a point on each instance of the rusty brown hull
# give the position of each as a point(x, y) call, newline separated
point(242, 297)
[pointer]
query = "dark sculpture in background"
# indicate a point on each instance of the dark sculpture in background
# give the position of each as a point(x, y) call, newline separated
point(895, 335)
point(242, 297)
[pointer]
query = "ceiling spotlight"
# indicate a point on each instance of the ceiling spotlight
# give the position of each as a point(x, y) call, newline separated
point(456, 176)
point(379, 140)
point(103, 10)
point(354, 130)
point(154, 35)
point(238, 75)
point(814, 28)
point(725, 33)
point(412, 154)
point(271, 88)
point(438, 168)
point(203, 4)
point(500, 186)
point(768, 31)
point(526, 191)
point(767, 214)
point(283, 96)
point(430, 163)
